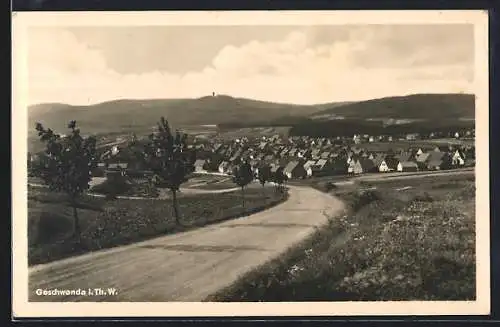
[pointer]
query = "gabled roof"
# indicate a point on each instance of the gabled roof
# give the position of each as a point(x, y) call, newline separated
point(309, 163)
point(377, 161)
point(224, 164)
point(404, 156)
point(391, 162)
point(291, 166)
point(408, 164)
point(366, 163)
point(199, 162)
point(325, 155)
point(423, 157)
point(435, 156)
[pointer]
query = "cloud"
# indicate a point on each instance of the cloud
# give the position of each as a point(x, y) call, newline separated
point(363, 64)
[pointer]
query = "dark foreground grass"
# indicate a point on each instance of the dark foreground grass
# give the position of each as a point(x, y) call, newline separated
point(390, 245)
point(106, 224)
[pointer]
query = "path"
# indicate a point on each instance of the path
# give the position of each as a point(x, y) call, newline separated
point(192, 265)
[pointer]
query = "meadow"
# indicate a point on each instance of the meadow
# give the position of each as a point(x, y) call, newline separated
point(398, 240)
point(109, 223)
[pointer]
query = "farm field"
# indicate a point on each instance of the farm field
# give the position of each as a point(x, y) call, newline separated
point(399, 240)
point(106, 224)
point(250, 132)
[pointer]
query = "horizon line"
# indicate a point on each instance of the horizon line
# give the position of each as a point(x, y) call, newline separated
point(248, 98)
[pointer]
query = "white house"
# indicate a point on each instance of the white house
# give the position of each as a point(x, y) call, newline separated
point(383, 167)
point(407, 166)
point(457, 159)
point(308, 167)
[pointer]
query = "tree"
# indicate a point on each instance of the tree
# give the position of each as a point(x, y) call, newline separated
point(242, 176)
point(168, 157)
point(68, 164)
point(264, 175)
point(280, 177)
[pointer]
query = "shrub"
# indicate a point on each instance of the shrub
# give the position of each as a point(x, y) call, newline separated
point(364, 198)
point(112, 187)
point(425, 197)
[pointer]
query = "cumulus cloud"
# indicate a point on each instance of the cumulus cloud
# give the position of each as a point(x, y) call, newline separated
point(361, 65)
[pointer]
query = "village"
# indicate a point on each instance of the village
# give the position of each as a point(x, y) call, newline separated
point(301, 157)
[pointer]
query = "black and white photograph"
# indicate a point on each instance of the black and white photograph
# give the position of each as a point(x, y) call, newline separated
point(251, 163)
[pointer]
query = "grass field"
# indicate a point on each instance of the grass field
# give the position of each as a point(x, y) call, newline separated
point(209, 182)
point(106, 224)
point(406, 240)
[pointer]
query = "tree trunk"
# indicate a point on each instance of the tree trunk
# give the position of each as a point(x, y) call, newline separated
point(243, 195)
point(176, 209)
point(76, 221)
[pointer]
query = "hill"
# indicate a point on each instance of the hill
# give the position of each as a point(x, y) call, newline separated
point(417, 106)
point(139, 115)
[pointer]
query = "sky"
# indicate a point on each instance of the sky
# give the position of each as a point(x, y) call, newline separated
point(291, 64)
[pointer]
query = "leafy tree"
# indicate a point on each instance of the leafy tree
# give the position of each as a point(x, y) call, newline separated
point(264, 175)
point(280, 177)
point(242, 176)
point(168, 156)
point(68, 164)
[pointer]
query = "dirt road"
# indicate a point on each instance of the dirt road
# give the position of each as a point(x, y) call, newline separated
point(187, 266)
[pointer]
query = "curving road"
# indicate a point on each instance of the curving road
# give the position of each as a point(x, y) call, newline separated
point(187, 266)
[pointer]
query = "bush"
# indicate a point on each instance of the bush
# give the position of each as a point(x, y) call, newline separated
point(425, 197)
point(364, 198)
point(112, 187)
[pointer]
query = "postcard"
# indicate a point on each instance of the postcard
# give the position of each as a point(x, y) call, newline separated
point(253, 163)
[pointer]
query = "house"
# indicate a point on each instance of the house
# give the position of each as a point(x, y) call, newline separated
point(438, 161)
point(295, 170)
point(224, 167)
point(315, 154)
point(391, 163)
point(308, 167)
point(412, 136)
point(360, 166)
point(116, 170)
point(457, 159)
point(325, 155)
point(380, 163)
point(423, 159)
point(199, 165)
point(405, 156)
point(337, 166)
point(407, 166)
